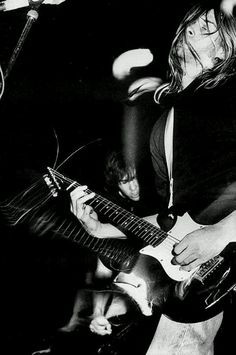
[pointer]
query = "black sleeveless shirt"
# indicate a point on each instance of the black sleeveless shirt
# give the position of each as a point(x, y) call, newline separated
point(204, 147)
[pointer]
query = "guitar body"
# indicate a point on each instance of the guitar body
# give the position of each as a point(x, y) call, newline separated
point(146, 283)
point(153, 281)
point(200, 300)
point(192, 300)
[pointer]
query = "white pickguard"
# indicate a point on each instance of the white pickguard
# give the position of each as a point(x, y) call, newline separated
point(163, 252)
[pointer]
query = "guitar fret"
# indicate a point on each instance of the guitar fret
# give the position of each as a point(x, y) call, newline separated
point(155, 241)
point(125, 220)
point(128, 223)
point(137, 227)
point(72, 233)
point(118, 218)
point(96, 201)
point(75, 233)
point(65, 229)
point(96, 243)
point(106, 206)
point(143, 230)
point(110, 253)
point(106, 247)
point(149, 239)
point(59, 230)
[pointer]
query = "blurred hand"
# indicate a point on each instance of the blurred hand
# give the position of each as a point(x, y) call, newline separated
point(140, 86)
point(100, 325)
point(130, 59)
point(227, 6)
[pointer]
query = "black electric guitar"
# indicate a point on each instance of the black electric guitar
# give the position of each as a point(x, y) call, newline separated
point(147, 275)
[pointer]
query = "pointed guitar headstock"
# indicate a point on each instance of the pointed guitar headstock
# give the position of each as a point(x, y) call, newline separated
point(57, 182)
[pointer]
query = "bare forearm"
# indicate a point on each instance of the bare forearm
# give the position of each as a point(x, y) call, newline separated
point(228, 227)
point(107, 230)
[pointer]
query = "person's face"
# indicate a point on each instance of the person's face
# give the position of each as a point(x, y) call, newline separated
point(130, 188)
point(203, 37)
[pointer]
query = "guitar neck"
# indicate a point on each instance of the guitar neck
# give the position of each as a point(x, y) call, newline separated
point(127, 222)
point(116, 250)
point(124, 220)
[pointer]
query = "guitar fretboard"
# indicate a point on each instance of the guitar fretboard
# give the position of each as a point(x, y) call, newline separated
point(121, 218)
point(127, 221)
point(116, 250)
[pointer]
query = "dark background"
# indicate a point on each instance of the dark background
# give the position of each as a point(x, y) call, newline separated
point(61, 91)
point(62, 83)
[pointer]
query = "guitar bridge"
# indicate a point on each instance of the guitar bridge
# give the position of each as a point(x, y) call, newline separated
point(208, 268)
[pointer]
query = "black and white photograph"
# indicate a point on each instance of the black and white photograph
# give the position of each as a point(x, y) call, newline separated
point(118, 177)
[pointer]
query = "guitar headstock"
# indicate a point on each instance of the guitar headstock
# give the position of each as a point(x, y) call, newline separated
point(22, 206)
point(52, 182)
point(57, 182)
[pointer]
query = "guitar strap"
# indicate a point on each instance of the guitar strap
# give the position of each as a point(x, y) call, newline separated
point(168, 143)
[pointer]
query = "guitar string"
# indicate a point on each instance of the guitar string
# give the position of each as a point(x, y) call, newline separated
point(73, 183)
point(76, 151)
point(20, 206)
point(106, 246)
point(24, 202)
point(102, 245)
point(96, 244)
point(163, 235)
point(125, 213)
point(28, 201)
point(43, 200)
point(15, 201)
point(21, 197)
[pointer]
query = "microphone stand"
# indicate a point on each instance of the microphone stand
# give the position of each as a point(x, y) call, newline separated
point(32, 16)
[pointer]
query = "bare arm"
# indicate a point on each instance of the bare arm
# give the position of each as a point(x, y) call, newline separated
point(88, 217)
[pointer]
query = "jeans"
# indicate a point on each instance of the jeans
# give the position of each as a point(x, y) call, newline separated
point(174, 338)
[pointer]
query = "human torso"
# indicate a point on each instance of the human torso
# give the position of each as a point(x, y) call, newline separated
point(204, 146)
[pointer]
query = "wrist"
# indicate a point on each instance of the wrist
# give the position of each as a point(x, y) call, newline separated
point(228, 225)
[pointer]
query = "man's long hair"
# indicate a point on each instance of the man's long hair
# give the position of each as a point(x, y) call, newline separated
point(223, 68)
